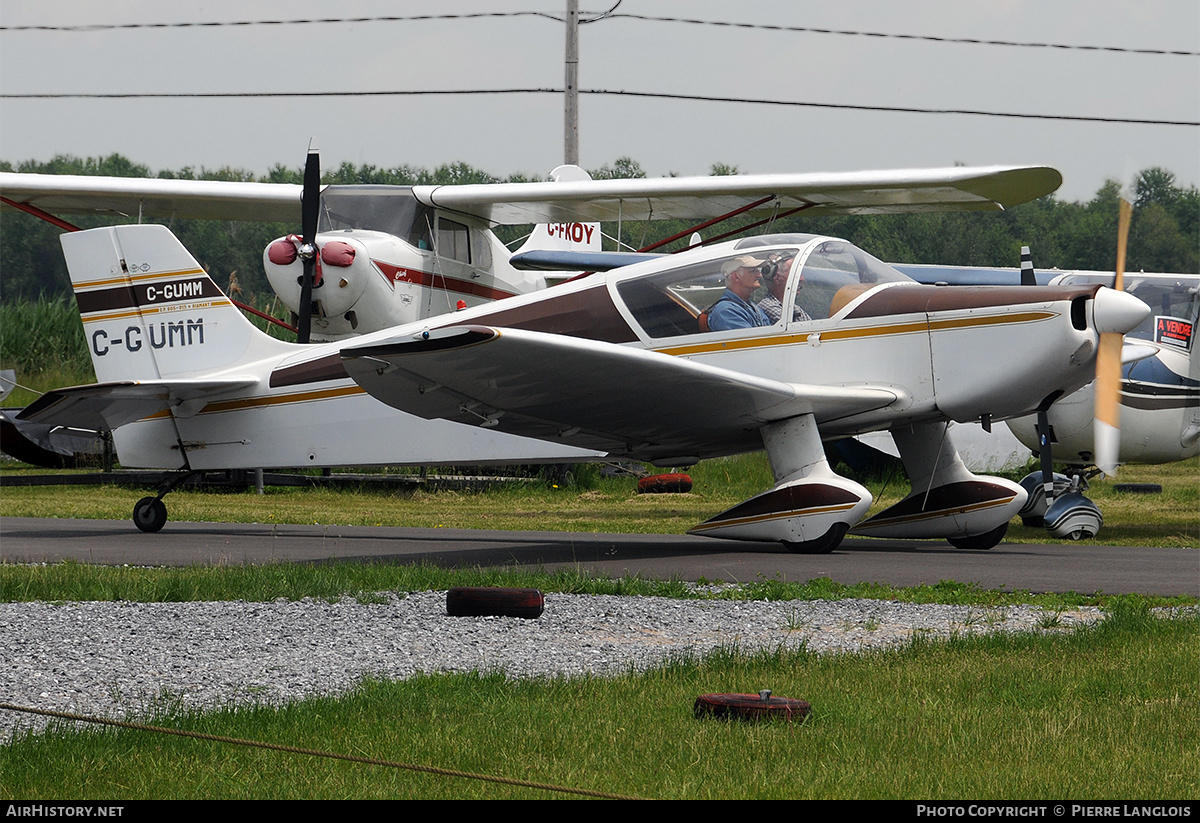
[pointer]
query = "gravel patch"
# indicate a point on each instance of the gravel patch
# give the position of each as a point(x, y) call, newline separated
point(124, 659)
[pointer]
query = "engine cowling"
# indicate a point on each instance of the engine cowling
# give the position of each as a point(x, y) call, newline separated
point(342, 272)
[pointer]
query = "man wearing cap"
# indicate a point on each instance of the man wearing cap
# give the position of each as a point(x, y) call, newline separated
point(733, 310)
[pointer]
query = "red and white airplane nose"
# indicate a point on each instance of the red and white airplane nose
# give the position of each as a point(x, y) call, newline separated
point(342, 272)
point(1116, 311)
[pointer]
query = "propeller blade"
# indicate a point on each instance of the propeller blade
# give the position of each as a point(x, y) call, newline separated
point(1106, 430)
point(310, 203)
point(1028, 278)
point(1043, 432)
point(311, 198)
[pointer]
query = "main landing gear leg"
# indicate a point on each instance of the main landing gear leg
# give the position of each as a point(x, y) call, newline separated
point(150, 513)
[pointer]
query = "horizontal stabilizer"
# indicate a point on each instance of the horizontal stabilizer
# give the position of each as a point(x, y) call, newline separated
point(105, 406)
point(548, 260)
point(618, 399)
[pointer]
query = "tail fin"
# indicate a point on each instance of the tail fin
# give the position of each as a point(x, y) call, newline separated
point(150, 312)
point(580, 237)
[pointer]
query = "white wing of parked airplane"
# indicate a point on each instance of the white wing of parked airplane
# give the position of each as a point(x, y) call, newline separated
point(153, 197)
point(590, 393)
point(870, 192)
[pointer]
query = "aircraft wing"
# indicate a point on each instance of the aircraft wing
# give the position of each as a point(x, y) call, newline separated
point(153, 197)
point(622, 400)
point(875, 192)
point(105, 406)
point(690, 198)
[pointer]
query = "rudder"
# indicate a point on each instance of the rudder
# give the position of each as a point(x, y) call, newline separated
point(150, 311)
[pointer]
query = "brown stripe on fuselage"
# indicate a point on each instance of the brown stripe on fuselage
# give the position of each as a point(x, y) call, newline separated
point(314, 371)
point(1158, 398)
point(401, 274)
point(589, 314)
point(281, 399)
point(913, 299)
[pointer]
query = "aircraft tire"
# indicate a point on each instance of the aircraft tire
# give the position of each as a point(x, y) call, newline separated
point(822, 545)
point(980, 542)
point(751, 707)
point(150, 514)
point(494, 601)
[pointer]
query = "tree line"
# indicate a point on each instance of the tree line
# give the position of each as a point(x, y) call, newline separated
point(1164, 236)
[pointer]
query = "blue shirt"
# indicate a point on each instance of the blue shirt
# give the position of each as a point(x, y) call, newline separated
point(732, 312)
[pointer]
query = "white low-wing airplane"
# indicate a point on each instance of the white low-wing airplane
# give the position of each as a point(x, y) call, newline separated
point(617, 363)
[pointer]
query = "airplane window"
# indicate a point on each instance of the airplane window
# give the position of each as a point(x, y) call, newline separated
point(1167, 300)
point(1168, 296)
point(453, 241)
point(391, 209)
point(680, 301)
point(835, 273)
point(481, 250)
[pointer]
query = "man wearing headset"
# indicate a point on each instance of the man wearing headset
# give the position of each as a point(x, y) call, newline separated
point(772, 304)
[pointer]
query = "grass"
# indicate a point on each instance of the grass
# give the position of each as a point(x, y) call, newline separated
point(71, 581)
point(610, 505)
point(42, 340)
point(1105, 712)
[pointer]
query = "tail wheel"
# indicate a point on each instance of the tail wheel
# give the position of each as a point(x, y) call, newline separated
point(980, 542)
point(150, 514)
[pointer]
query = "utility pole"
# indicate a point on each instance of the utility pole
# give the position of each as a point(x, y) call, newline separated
point(571, 103)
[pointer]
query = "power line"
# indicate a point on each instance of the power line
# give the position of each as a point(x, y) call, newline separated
point(287, 749)
point(903, 109)
point(928, 38)
point(97, 27)
point(598, 92)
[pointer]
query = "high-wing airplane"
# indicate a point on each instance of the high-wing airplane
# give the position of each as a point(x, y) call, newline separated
point(616, 363)
point(383, 256)
point(380, 256)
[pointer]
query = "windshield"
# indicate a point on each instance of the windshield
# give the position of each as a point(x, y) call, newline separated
point(390, 209)
point(835, 273)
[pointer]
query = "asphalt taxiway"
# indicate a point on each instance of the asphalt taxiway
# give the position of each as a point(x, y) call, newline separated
point(1083, 567)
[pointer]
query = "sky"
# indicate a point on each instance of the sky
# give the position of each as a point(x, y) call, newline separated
point(510, 134)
